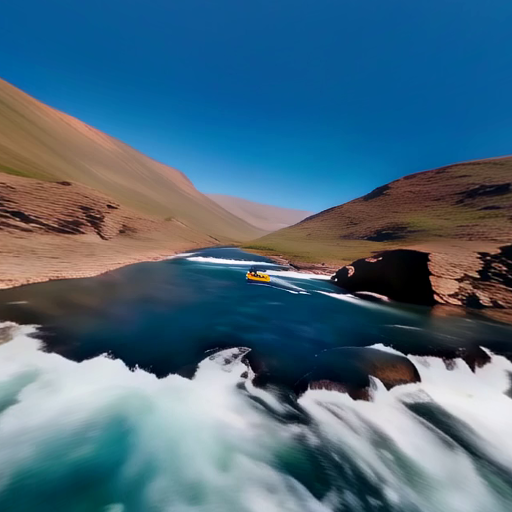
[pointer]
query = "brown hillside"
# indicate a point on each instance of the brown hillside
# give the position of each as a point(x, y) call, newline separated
point(467, 202)
point(37, 141)
point(56, 230)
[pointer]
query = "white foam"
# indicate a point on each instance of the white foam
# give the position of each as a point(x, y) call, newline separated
point(181, 255)
point(297, 275)
point(284, 273)
point(385, 348)
point(377, 306)
point(179, 440)
point(223, 261)
point(476, 399)
point(407, 327)
point(376, 295)
point(187, 440)
point(284, 284)
point(346, 297)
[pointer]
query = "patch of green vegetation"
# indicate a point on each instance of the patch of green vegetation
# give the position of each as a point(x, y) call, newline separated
point(37, 175)
point(331, 253)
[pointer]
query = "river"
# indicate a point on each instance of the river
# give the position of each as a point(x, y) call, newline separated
point(126, 393)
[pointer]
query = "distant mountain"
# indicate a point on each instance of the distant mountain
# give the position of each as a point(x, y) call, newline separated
point(39, 142)
point(466, 202)
point(262, 216)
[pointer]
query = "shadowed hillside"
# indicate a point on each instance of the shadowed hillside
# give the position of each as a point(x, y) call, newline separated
point(262, 216)
point(39, 142)
point(467, 202)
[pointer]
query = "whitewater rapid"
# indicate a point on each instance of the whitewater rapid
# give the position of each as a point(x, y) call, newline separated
point(97, 436)
point(263, 264)
point(227, 261)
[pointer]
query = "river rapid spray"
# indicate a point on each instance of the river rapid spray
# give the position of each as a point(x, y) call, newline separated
point(96, 436)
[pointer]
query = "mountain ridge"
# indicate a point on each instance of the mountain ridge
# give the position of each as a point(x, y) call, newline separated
point(262, 216)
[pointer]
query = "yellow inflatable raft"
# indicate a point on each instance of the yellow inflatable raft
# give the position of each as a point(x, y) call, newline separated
point(259, 277)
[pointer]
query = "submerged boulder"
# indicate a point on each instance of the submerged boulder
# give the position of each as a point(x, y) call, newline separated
point(355, 392)
point(348, 370)
point(446, 346)
point(278, 370)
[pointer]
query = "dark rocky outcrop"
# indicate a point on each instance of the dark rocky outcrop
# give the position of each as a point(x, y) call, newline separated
point(485, 190)
point(375, 193)
point(401, 275)
point(390, 233)
point(452, 276)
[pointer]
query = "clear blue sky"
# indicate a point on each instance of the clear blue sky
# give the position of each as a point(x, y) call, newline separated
point(305, 104)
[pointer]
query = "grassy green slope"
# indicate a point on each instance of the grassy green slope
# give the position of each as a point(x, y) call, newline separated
point(469, 201)
point(37, 141)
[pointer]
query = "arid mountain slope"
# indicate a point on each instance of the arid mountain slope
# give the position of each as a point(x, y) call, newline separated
point(262, 216)
point(37, 141)
point(466, 202)
point(59, 230)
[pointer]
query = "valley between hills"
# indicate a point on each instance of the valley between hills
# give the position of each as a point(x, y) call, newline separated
point(76, 202)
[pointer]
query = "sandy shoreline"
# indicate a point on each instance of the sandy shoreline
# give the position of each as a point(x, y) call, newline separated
point(78, 233)
point(41, 258)
point(90, 272)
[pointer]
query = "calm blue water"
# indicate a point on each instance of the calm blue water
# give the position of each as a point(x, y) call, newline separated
point(126, 409)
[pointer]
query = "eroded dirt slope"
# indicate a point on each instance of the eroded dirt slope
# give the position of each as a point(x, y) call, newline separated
point(59, 230)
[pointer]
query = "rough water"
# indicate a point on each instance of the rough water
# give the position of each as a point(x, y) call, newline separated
point(133, 393)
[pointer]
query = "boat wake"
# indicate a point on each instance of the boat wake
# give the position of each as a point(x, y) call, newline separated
point(96, 436)
point(222, 261)
point(272, 269)
point(298, 275)
point(281, 284)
